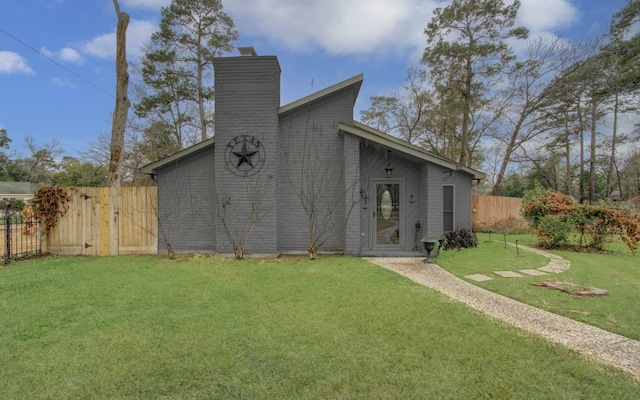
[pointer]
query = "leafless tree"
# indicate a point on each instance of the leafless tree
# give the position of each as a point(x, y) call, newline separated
point(319, 185)
point(122, 99)
point(239, 216)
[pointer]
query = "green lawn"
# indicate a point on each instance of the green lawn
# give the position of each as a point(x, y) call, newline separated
point(205, 327)
point(617, 272)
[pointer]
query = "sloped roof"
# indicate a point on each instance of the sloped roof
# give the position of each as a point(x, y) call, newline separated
point(148, 169)
point(392, 142)
point(357, 129)
point(353, 83)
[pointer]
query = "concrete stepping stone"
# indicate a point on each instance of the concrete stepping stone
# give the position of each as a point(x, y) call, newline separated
point(508, 274)
point(532, 272)
point(479, 277)
point(556, 266)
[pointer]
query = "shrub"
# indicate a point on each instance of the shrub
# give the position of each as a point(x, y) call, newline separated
point(533, 206)
point(556, 215)
point(460, 238)
point(553, 231)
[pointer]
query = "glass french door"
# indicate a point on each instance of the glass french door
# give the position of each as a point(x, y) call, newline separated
point(388, 222)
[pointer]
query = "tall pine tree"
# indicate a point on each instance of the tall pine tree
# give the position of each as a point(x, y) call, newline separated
point(466, 47)
point(177, 70)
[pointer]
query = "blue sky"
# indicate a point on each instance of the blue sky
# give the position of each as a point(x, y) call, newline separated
point(57, 56)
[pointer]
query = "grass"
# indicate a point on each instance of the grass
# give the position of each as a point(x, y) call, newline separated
point(616, 271)
point(205, 327)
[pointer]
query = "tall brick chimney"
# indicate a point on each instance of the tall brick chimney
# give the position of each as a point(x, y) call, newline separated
point(247, 98)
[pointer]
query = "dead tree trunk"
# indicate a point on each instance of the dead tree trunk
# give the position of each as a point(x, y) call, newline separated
point(122, 99)
point(612, 159)
point(592, 159)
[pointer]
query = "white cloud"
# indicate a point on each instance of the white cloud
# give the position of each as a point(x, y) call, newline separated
point(336, 26)
point(63, 82)
point(70, 55)
point(150, 4)
point(547, 15)
point(368, 27)
point(66, 55)
point(11, 63)
point(104, 46)
point(47, 53)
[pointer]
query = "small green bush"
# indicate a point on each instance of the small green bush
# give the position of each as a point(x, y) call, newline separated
point(553, 231)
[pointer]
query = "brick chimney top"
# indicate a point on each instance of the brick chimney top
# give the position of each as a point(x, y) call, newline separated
point(247, 51)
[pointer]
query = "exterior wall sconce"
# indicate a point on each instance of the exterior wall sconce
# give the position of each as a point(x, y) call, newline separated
point(389, 169)
point(363, 195)
point(411, 200)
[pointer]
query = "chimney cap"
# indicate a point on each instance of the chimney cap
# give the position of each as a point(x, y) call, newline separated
point(247, 51)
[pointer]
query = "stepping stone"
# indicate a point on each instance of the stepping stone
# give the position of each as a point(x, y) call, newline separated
point(562, 264)
point(532, 272)
point(556, 267)
point(479, 277)
point(508, 274)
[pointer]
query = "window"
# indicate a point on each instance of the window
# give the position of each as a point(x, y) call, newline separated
point(447, 208)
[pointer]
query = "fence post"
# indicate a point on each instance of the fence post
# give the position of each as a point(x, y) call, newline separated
point(114, 221)
point(7, 243)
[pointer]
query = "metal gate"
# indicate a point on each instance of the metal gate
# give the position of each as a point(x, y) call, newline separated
point(19, 234)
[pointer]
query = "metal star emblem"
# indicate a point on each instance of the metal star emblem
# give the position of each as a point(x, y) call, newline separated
point(244, 156)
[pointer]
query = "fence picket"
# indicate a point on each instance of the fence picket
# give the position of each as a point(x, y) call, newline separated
point(497, 213)
point(110, 221)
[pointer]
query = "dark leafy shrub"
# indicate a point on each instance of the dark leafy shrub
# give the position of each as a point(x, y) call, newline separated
point(460, 238)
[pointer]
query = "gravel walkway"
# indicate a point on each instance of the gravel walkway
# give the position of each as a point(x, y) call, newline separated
point(610, 348)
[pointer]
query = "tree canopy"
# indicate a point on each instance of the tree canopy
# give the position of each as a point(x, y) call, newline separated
point(177, 67)
point(466, 47)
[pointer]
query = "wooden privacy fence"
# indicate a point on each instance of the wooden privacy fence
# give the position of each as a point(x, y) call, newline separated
point(497, 213)
point(107, 221)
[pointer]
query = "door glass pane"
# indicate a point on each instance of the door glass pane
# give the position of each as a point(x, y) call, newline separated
point(387, 222)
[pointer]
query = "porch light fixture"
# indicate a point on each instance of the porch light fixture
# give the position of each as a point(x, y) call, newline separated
point(365, 196)
point(389, 169)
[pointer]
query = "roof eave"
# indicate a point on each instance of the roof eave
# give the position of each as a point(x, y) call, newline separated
point(373, 135)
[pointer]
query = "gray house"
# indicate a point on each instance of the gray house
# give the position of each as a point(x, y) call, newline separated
point(274, 173)
point(18, 190)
